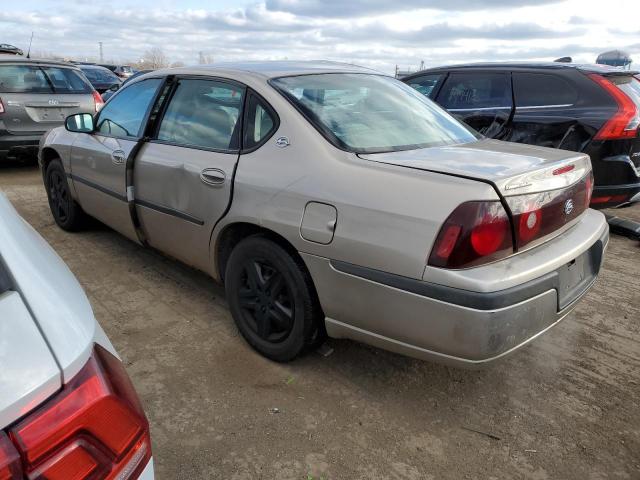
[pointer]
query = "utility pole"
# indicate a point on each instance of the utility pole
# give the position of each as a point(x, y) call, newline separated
point(101, 53)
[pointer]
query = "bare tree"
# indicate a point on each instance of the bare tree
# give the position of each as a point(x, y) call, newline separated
point(155, 58)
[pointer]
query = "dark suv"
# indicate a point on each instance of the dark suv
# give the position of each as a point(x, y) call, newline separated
point(585, 108)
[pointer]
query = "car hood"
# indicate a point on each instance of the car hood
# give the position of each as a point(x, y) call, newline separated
point(514, 168)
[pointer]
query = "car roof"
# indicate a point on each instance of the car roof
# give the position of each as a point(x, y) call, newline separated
point(39, 61)
point(271, 69)
point(584, 67)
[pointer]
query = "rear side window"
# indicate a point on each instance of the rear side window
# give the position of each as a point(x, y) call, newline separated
point(425, 84)
point(35, 79)
point(542, 90)
point(205, 114)
point(123, 115)
point(261, 123)
point(470, 91)
point(629, 85)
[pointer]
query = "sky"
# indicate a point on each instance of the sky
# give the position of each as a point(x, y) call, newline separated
point(378, 34)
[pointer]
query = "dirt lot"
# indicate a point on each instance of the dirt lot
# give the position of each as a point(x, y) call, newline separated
point(566, 407)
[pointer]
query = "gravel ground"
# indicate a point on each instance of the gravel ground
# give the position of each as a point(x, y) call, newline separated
point(565, 407)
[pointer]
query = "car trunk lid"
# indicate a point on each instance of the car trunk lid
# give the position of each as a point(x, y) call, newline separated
point(513, 168)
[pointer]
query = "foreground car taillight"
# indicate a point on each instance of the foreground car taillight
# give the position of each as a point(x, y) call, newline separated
point(94, 428)
point(475, 233)
point(97, 99)
point(624, 123)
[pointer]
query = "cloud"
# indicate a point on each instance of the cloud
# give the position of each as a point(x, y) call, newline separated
point(360, 8)
point(371, 37)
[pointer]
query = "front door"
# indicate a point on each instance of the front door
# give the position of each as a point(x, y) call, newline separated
point(481, 100)
point(183, 177)
point(98, 160)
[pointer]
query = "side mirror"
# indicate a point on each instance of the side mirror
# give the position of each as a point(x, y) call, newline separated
point(115, 87)
point(79, 123)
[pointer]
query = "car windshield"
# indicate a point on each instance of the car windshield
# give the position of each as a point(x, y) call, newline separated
point(372, 113)
point(35, 79)
point(100, 75)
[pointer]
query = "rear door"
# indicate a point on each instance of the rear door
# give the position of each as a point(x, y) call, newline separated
point(39, 97)
point(184, 175)
point(98, 160)
point(547, 111)
point(482, 100)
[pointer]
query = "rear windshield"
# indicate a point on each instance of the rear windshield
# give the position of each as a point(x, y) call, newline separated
point(371, 113)
point(35, 79)
point(99, 75)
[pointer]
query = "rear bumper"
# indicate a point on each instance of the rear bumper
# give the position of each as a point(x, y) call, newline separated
point(473, 328)
point(607, 196)
point(19, 146)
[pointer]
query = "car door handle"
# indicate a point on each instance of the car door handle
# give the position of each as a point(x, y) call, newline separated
point(213, 176)
point(118, 157)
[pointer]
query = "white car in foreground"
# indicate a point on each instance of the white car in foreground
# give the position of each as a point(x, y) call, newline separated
point(67, 407)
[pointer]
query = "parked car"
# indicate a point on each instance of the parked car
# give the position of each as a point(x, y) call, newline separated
point(122, 71)
point(102, 79)
point(67, 407)
point(114, 88)
point(592, 109)
point(36, 95)
point(5, 48)
point(332, 197)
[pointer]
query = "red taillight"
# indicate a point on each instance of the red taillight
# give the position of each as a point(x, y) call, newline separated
point(612, 199)
point(540, 214)
point(475, 233)
point(624, 123)
point(589, 187)
point(93, 429)
point(10, 468)
point(97, 99)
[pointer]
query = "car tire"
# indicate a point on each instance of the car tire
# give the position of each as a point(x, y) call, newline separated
point(272, 299)
point(65, 210)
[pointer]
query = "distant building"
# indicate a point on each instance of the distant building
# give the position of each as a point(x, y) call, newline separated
point(615, 58)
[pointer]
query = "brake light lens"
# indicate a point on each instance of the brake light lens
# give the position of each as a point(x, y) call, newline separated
point(624, 123)
point(539, 214)
point(93, 429)
point(10, 468)
point(474, 234)
point(97, 99)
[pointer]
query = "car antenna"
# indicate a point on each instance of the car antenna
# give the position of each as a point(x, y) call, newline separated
point(30, 42)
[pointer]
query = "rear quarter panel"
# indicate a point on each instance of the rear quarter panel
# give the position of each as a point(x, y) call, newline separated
point(387, 216)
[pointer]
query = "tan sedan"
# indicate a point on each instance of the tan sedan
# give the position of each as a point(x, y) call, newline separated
point(332, 199)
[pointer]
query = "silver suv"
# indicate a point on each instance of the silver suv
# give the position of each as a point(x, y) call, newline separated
point(35, 96)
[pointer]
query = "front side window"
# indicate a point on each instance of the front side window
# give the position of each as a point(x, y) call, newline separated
point(124, 114)
point(36, 79)
point(260, 122)
point(542, 90)
point(366, 113)
point(205, 114)
point(425, 84)
point(471, 91)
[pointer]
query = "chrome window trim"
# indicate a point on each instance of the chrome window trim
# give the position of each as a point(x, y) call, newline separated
point(535, 107)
